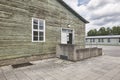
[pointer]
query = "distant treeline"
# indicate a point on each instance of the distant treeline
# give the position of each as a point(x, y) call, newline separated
point(115, 30)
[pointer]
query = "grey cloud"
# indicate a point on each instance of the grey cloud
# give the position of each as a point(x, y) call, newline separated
point(111, 19)
point(97, 7)
point(98, 23)
point(99, 13)
point(107, 20)
point(96, 17)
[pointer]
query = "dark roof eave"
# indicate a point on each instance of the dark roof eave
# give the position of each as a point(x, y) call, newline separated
point(71, 10)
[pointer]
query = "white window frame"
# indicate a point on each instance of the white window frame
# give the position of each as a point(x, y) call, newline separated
point(38, 30)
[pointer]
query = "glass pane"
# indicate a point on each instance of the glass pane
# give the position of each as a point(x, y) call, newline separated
point(41, 25)
point(35, 27)
point(35, 38)
point(41, 38)
point(69, 31)
point(35, 21)
point(41, 34)
point(35, 33)
point(63, 30)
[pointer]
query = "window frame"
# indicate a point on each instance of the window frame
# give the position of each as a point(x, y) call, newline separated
point(38, 30)
point(73, 31)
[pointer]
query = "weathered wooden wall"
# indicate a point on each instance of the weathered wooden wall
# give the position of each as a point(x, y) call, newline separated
point(16, 27)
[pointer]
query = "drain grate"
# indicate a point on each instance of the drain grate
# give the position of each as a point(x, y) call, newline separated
point(22, 65)
point(63, 57)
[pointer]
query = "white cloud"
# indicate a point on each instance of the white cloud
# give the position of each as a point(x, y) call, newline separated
point(106, 11)
point(98, 12)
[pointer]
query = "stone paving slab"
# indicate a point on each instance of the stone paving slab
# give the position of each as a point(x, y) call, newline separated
point(98, 68)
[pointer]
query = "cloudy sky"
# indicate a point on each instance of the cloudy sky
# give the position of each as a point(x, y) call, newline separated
point(100, 13)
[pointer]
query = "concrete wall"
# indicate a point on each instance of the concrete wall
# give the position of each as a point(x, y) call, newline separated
point(88, 53)
point(65, 50)
point(75, 53)
point(16, 27)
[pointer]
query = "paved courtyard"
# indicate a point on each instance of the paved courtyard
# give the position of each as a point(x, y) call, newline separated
point(98, 68)
point(109, 50)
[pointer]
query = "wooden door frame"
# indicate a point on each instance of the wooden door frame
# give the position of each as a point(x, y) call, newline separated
point(73, 38)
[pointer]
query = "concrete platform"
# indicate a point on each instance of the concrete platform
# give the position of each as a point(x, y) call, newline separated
point(98, 68)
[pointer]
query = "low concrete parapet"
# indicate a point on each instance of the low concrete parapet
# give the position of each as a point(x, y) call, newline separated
point(88, 53)
point(65, 51)
point(75, 53)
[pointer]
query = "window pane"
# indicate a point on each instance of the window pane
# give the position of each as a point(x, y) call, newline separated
point(98, 40)
point(41, 34)
point(35, 33)
point(93, 40)
point(35, 21)
point(35, 26)
point(35, 38)
point(102, 40)
point(41, 25)
point(64, 30)
point(41, 38)
point(108, 39)
point(90, 40)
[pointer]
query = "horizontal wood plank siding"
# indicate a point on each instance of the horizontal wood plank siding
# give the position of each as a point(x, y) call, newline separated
point(16, 27)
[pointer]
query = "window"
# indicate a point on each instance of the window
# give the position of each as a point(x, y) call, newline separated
point(86, 40)
point(38, 30)
point(90, 39)
point(98, 40)
point(93, 40)
point(67, 36)
point(108, 39)
point(102, 40)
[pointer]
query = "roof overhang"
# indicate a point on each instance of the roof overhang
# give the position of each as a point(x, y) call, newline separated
point(72, 11)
